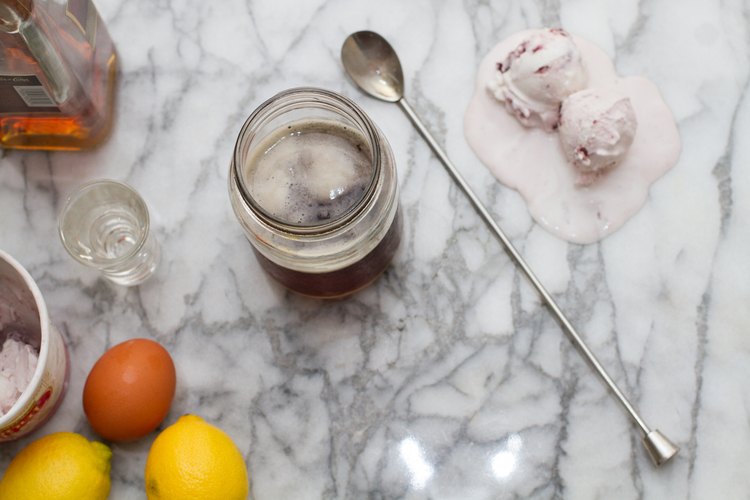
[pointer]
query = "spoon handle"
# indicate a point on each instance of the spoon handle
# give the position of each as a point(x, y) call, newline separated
point(550, 302)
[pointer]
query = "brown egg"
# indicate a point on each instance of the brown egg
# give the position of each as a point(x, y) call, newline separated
point(129, 390)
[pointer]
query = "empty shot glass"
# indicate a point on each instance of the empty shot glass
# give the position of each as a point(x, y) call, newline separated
point(105, 225)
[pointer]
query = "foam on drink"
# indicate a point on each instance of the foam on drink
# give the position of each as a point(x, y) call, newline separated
point(309, 172)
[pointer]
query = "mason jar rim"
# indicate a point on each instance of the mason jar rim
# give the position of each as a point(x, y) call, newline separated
point(315, 97)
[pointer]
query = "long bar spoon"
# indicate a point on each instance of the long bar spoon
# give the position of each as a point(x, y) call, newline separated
point(374, 66)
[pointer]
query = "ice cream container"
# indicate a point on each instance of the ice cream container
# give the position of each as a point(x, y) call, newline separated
point(23, 316)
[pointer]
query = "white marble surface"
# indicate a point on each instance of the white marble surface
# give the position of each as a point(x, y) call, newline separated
point(447, 378)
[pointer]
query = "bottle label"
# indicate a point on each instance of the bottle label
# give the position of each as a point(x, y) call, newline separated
point(24, 94)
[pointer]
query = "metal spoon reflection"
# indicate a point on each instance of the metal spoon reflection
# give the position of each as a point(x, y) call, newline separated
point(374, 66)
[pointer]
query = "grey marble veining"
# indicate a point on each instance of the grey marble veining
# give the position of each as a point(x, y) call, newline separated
point(447, 378)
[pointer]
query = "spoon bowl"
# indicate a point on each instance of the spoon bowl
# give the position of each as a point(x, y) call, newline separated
point(373, 65)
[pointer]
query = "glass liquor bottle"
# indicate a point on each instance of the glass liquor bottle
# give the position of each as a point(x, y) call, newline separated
point(57, 75)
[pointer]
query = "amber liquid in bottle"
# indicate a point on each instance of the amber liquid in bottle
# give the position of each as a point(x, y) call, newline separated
point(58, 70)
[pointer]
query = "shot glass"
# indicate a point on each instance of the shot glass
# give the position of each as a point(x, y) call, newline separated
point(105, 225)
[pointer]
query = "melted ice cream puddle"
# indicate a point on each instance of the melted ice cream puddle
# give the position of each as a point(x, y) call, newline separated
point(532, 161)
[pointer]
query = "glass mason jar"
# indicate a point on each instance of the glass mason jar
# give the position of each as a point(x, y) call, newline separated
point(313, 184)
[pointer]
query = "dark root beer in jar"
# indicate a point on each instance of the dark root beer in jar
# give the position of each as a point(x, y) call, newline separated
point(313, 184)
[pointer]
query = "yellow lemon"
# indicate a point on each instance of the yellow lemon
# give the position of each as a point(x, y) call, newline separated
point(193, 459)
point(60, 466)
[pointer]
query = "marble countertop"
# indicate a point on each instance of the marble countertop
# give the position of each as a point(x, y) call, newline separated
point(447, 378)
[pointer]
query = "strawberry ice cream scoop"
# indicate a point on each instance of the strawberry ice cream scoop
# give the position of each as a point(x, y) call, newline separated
point(597, 127)
point(537, 75)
